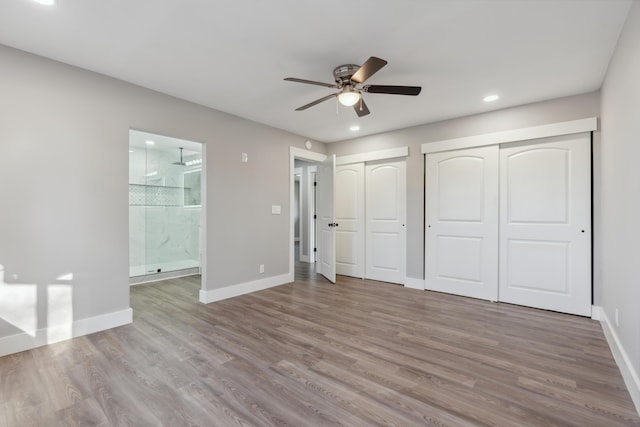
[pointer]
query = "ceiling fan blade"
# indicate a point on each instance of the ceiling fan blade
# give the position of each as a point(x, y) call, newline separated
point(393, 90)
point(316, 102)
point(311, 82)
point(361, 108)
point(368, 69)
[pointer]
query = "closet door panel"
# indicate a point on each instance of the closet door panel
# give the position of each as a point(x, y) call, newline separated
point(545, 226)
point(461, 254)
point(349, 190)
point(385, 245)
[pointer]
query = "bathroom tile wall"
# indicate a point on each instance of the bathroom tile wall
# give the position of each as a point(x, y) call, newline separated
point(163, 233)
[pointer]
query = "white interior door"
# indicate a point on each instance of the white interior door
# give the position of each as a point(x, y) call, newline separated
point(349, 190)
point(325, 177)
point(385, 254)
point(545, 224)
point(461, 255)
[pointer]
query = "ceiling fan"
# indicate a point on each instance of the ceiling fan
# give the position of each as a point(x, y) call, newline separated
point(349, 79)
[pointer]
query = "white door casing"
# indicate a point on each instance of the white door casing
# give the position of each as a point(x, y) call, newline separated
point(385, 241)
point(545, 224)
point(350, 208)
point(325, 178)
point(461, 222)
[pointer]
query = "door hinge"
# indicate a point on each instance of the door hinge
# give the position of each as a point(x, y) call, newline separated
point(315, 184)
point(315, 249)
point(315, 217)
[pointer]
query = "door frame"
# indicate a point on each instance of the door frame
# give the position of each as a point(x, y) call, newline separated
point(203, 206)
point(301, 154)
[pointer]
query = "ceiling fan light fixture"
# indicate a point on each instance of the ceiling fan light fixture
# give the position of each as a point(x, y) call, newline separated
point(348, 97)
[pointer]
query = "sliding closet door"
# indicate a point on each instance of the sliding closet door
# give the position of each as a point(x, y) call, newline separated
point(462, 222)
point(545, 224)
point(385, 254)
point(349, 188)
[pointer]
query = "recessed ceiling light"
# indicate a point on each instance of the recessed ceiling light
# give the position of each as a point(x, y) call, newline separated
point(149, 142)
point(354, 128)
point(490, 98)
point(46, 2)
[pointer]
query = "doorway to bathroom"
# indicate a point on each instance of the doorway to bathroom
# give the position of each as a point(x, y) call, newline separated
point(165, 207)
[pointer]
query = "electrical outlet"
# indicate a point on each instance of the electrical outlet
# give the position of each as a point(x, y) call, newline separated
point(617, 318)
point(261, 268)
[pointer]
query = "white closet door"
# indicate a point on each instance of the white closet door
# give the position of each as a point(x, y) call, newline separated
point(325, 176)
point(545, 224)
point(461, 255)
point(385, 221)
point(349, 188)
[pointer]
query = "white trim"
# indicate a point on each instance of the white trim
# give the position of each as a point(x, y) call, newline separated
point(410, 282)
point(523, 134)
point(390, 153)
point(304, 258)
point(596, 312)
point(214, 295)
point(203, 218)
point(629, 374)
point(78, 328)
point(307, 155)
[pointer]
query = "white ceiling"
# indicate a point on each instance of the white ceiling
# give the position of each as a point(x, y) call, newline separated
point(232, 55)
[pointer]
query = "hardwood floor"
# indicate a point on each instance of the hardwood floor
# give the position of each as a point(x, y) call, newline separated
point(357, 353)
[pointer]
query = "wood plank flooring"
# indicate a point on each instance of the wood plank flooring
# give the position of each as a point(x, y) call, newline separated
point(358, 353)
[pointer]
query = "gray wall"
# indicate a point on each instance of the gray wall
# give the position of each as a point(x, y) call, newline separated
point(620, 190)
point(558, 110)
point(64, 135)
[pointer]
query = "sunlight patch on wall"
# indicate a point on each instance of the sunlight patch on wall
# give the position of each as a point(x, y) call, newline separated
point(19, 306)
point(59, 313)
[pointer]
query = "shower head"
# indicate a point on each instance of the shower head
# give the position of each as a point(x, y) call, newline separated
point(180, 163)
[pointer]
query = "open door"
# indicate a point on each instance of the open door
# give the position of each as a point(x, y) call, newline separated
point(326, 224)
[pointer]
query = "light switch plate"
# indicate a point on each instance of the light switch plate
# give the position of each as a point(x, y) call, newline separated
point(276, 210)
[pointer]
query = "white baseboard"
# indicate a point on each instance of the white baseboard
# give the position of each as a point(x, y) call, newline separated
point(23, 341)
point(214, 295)
point(596, 312)
point(410, 282)
point(629, 374)
point(304, 258)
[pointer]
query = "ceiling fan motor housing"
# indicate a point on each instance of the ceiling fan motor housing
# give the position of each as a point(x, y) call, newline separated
point(343, 74)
